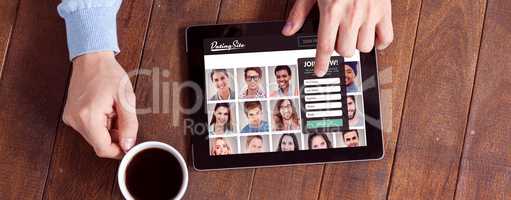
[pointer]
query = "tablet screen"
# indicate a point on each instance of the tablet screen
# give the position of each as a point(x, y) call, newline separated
point(262, 96)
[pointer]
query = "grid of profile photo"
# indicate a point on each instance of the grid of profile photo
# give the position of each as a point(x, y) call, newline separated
point(356, 135)
point(257, 110)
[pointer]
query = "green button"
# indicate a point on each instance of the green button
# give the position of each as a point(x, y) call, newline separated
point(324, 123)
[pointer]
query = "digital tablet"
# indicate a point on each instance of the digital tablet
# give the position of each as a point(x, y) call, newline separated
point(258, 102)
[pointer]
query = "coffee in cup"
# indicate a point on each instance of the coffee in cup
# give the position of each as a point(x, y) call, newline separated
point(153, 170)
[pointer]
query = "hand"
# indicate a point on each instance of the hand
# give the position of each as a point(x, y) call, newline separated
point(100, 106)
point(344, 25)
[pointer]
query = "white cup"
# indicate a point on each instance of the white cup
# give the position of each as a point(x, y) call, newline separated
point(121, 173)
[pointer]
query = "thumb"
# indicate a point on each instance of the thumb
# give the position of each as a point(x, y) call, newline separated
point(297, 16)
point(127, 121)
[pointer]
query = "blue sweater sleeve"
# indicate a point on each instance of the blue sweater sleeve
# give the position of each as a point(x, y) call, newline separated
point(90, 25)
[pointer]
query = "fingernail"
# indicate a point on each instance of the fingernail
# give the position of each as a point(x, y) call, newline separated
point(320, 72)
point(127, 143)
point(288, 27)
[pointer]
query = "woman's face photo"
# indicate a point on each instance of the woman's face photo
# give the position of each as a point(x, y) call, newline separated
point(221, 80)
point(221, 147)
point(349, 75)
point(221, 115)
point(283, 78)
point(255, 146)
point(318, 142)
point(286, 110)
point(287, 143)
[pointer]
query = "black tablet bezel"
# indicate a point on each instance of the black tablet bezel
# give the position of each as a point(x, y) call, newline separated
point(202, 160)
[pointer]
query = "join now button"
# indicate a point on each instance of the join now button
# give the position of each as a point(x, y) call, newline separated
point(325, 123)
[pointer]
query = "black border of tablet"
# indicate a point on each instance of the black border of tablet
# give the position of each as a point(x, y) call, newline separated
point(195, 36)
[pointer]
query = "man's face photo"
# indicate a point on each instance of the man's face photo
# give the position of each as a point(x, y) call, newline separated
point(255, 145)
point(351, 139)
point(286, 110)
point(254, 116)
point(349, 75)
point(252, 79)
point(283, 78)
point(352, 107)
point(220, 80)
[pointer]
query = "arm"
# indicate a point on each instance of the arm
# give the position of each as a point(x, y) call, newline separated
point(99, 105)
point(90, 25)
point(344, 25)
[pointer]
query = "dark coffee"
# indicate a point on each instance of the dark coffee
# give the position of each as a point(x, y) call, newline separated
point(154, 174)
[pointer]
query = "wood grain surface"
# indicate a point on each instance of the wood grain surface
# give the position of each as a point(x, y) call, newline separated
point(31, 97)
point(437, 100)
point(445, 93)
point(8, 10)
point(485, 171)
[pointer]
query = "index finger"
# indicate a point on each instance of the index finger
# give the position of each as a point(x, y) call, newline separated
point(327, 32)
point(101, 140)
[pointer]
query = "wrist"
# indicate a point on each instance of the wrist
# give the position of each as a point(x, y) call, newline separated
point(94, 57)
point(92, 64)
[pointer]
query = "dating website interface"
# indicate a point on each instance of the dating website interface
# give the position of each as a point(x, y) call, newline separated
point(263, 96)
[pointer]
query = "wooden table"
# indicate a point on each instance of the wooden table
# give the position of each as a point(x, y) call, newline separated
point(446, 91)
